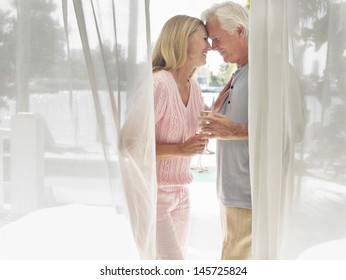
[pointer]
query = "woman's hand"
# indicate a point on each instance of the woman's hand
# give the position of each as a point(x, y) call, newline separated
point(189, 148)
point(193, 145)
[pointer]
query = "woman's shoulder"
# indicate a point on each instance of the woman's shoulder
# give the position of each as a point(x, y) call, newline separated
point(193, 81)
point(195, 85)
point(162, 79)
point(162, 75)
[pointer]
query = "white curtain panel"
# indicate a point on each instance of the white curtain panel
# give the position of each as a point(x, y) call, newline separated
point(77, 130)
point(298, 127)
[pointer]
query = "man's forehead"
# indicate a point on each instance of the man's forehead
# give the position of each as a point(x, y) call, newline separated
point(213, 25)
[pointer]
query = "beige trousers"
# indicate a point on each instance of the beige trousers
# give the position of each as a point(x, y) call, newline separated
point(236, 230)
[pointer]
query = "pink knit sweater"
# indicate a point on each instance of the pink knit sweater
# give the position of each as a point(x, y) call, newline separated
point(174, 123)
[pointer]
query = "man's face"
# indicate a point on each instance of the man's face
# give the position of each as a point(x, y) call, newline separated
point(232, 47)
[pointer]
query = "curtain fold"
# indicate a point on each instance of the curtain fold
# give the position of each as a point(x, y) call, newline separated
point(81, 73)
point(137, 134)
point(296, 125)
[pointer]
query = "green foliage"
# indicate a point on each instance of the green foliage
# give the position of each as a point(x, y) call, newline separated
point(222, 76)
point(32, 45)
point(7, 51)
point(313, 20)
point(42, 35)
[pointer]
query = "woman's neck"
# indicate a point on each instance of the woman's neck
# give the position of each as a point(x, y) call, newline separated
point(182, 78)
point(181, 75)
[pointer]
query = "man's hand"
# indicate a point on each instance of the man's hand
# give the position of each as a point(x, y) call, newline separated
point(220, 127)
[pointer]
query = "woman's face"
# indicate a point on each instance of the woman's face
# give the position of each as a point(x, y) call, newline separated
point(198, 46)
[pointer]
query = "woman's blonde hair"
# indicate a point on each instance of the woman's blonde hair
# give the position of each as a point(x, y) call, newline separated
point(170, 51)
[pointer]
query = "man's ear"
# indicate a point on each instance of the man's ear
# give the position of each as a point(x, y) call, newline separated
point(241, 31)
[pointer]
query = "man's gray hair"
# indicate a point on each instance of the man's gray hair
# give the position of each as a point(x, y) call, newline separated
point(231, 16)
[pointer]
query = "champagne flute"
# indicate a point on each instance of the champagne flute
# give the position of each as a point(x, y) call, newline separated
point(205, 113)
point(199, 168)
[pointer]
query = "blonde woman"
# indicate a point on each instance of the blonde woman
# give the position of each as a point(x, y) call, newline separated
point(181, 47)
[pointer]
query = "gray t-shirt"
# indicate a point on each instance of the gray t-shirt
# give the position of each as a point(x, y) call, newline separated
point(233, 176)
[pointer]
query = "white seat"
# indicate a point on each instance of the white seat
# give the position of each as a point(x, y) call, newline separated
point(67, 233)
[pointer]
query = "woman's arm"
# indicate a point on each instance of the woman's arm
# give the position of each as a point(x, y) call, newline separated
point(187, 149)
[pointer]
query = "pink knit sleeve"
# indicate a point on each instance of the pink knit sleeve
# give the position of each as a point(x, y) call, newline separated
point(160, 98)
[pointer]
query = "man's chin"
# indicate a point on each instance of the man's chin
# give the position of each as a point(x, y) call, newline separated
point(224, 56)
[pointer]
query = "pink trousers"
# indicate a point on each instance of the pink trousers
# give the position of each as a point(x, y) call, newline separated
point(173, 222)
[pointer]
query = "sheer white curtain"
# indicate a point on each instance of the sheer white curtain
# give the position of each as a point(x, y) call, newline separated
point(298, 128)
point(77, 133)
